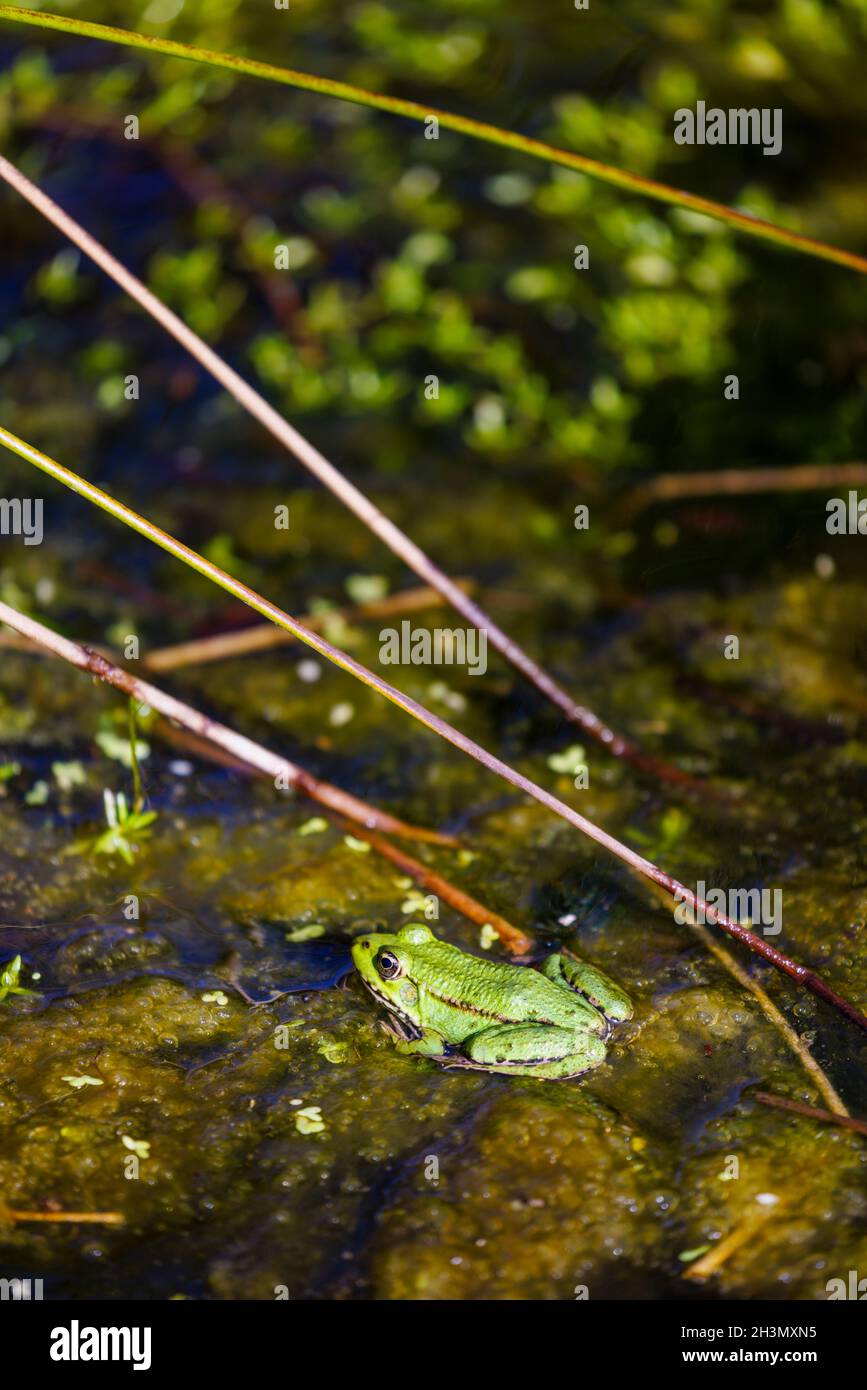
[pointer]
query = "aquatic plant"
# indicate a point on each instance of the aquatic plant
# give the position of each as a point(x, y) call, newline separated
point(126, 828)
point(10, 979)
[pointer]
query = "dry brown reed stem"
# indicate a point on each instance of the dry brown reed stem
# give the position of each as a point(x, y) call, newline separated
point(264, 636)
point(742, 482)
point(512, 937)
point(715, 1258)
point(810, 1112)
point(260, 637)
point(777, 1020)
point(775, 1017)
point(100, 1218)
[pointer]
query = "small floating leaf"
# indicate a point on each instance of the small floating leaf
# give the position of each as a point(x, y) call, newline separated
point(38, 794)
point(69, 775)
point(334, 1050)
point(341, 714)
point(360, 846)
point(140, 1147)
point(308, 933)
point(117, 747)
point(568, 761)
point(366, 588)
point(414, 902)
point(314, 826)
point(309, 1120)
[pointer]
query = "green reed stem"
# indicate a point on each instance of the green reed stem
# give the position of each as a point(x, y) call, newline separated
point(464, 125)
point(137, 790)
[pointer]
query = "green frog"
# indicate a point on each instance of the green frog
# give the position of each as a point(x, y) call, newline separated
point(465, 1012)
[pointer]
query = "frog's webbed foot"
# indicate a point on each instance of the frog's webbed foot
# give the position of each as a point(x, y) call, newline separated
point(591, 984)
point(399, 1030)
point(415, 1042)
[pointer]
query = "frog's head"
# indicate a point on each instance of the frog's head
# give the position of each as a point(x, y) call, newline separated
point(389, 965)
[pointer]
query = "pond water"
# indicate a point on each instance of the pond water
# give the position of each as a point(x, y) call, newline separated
point(197, 1057)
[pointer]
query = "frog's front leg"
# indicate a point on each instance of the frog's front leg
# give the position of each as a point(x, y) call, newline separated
point(425, 1043)
point(591, 984)
point(528, 1049)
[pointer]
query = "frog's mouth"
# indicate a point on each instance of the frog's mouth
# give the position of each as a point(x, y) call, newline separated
point(409, 1030)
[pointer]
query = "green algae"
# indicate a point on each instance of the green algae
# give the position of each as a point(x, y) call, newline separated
point(211, 1030)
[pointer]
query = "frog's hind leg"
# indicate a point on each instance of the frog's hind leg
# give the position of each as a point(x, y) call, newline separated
point(591, 984)
point(525, 1049)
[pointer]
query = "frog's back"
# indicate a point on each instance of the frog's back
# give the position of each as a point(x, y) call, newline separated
point(474, 994)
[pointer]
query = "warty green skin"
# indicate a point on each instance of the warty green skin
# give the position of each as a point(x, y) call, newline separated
point(489, 1016)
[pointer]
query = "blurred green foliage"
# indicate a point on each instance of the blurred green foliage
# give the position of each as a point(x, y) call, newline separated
point(409, 260)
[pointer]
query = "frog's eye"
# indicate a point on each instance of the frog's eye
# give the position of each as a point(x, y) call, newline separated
point(388, 965)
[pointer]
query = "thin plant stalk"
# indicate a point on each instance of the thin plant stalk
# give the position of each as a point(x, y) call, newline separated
point(78, 1218)
point(138, 792)
point(263, 637)
point(714, 1259)
point(239, 747)
point(463, 125)
point(742, 482)
point(351, 496)
point(807, 978)
point(512, 937)
point(793, 1041)
point(213, 738)
point(811, 1112)
point(777, 1019)
point(225, 646)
